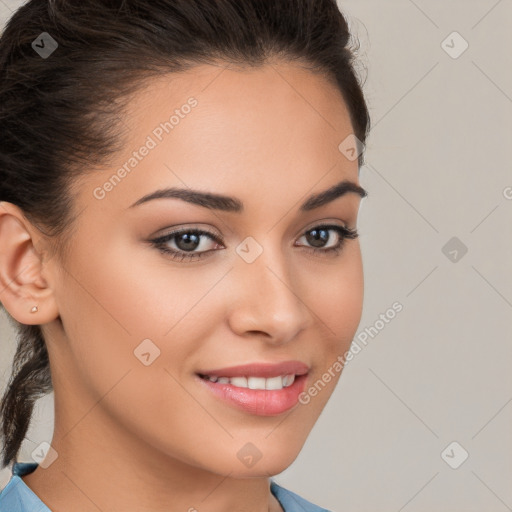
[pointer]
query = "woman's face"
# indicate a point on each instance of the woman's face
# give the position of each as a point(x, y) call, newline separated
point(260, 286)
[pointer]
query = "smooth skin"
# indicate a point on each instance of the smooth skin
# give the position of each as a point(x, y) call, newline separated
point(131, 437)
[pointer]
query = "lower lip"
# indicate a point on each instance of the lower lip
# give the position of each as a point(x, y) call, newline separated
point(262, 402)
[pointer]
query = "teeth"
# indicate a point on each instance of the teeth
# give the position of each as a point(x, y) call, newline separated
point(256, 382)
point(240, 382)
point(280, 382)
point(288, 380)
point(274, 383)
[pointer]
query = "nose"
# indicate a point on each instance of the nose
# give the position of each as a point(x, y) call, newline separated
point(266, 301)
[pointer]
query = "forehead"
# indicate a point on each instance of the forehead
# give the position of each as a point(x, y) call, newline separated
point(232, 130)
point(238, 102)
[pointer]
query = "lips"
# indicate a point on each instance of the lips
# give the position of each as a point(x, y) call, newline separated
point(264, 370)
point(262, 389)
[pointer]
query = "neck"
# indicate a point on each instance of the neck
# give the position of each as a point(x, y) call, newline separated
point(100, 469)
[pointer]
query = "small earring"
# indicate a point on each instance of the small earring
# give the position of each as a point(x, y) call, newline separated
point(34, 309)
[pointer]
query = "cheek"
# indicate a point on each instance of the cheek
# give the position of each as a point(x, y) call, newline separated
point(135, 295)
point(121, 306)
point(337, 300)
point(337, 304)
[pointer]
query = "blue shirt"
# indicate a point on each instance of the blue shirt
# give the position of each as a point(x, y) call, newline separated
point(17, 496)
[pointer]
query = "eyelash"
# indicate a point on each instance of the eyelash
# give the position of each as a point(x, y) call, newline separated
point(161, 242)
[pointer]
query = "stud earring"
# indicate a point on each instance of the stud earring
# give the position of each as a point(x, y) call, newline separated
point(34, 309)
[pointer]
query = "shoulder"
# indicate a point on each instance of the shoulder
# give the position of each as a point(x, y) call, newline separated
point(292, 502)
point(16, 496)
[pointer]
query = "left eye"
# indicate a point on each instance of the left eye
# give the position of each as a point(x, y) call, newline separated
point(319, 236)
point(187, 241)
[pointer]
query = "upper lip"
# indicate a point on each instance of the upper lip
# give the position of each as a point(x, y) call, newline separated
point(266, 370)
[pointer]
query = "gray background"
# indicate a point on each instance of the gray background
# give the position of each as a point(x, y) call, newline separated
point(438, 166)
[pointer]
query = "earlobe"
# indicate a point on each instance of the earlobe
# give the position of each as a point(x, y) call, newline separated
point(24, 291)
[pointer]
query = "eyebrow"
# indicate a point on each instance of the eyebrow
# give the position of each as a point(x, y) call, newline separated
point(232, 204)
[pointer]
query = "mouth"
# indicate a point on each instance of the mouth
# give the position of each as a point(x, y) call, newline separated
point(259, 388)
point(253, 382)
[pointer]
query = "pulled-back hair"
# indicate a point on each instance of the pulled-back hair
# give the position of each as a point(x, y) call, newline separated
point(60, 113)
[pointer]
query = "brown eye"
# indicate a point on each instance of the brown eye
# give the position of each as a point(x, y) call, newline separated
point(319, 236)
point(186, 242)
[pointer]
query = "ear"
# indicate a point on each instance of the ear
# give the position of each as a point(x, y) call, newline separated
point(22, 274)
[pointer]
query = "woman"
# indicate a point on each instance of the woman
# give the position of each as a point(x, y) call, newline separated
point(179, 252)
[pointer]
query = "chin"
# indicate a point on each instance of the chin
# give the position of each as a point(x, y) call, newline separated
point(251, 462)
point(272, 462)
point(261, 470)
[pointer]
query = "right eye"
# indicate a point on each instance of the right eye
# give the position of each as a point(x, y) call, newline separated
point(186, 241)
